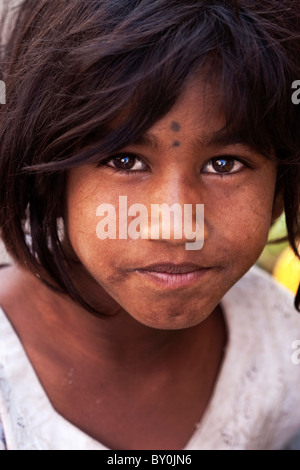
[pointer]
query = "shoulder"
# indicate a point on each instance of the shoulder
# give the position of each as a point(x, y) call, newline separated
point(264, 301)
point(16, 376)
point(18, 290)
point(259, 287)
point(264, 331)
point(12, 288)
point(9, 280)
point(258, 304)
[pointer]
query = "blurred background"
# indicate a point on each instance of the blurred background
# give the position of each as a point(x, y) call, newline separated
point(277, 258)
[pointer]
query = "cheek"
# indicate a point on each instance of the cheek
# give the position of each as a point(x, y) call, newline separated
point(244, 220)
point(81, 213)
point(81, 226)
point(97, 255)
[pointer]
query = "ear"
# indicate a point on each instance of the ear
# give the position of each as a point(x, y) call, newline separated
point(278, 206)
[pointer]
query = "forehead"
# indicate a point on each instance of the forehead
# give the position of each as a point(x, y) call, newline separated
point(198, 110)
point(199, 105)
point(202, 108)
point(197, 115)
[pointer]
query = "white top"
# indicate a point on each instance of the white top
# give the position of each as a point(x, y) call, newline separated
point(256, 401)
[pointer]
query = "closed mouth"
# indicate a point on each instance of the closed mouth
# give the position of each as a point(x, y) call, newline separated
point(173, 275)
point(170, 268)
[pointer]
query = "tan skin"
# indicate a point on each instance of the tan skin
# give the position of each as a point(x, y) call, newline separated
point(142, 376)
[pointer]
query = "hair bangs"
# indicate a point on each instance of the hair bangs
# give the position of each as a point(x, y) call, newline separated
point(86, 78)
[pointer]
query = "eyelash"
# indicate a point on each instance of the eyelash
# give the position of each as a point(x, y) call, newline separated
point(129, 172)
point(120, 170)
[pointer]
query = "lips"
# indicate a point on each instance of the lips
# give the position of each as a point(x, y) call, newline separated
point(171, 268)
point(173, 276)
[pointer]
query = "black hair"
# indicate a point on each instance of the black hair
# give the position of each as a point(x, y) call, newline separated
point(72, 68)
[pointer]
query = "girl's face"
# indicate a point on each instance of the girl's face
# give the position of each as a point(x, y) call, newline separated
point(182, 159)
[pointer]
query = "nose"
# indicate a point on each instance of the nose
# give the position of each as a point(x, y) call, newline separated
point(176, 212)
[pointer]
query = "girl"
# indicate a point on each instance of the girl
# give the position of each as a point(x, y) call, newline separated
point(135, 342)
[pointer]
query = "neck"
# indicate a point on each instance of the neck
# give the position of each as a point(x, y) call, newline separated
point(131, 373)
point(115, 335)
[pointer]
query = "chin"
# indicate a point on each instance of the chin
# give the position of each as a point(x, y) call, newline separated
point(172, 320)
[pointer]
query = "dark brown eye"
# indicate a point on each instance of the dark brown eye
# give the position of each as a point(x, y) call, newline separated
point(125, 162)
point(223, 166)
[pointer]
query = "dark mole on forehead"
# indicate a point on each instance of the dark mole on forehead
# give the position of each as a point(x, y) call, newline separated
point(175, 126)
point(176, 143)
